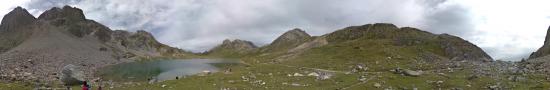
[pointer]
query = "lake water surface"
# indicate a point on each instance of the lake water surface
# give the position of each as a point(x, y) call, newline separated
point(161, 70)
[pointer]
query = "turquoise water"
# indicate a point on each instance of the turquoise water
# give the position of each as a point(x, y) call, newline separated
point(161, 70)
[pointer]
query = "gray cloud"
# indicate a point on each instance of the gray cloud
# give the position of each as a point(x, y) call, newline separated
point(198, 25)
point(46, 4)
point(451, 19)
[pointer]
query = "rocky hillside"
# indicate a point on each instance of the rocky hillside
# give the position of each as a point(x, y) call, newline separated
point(37, 48)
point(452, 47)
point(545, 49)
point(233, 48)
point(539, 61)
point(367, 44)
point(288, 40)
point(442, 45)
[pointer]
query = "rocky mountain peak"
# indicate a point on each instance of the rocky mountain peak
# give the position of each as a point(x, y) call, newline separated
point(384, 26)
point(144, 33)
point(238, 44)
point(295, 33)
point(67, 12)
point(62, 31)
point(16, 18)
point(545, 49)
point(291, 38)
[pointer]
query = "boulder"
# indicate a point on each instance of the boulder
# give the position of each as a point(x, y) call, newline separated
point(324, 76)
point(412, 73)
point(377, 85)
point(71, 75)
point(313, 74)
point(298, 74)
point(204, 73)
point(407, 72)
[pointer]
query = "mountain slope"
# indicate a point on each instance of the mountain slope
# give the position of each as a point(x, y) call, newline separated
point(369, 44)
point(545, 49)
point(376, 43)
point(288, 40)
point(539, 61)
point(37, 49)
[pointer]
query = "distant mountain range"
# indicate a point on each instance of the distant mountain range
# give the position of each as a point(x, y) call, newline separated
point(296, 40)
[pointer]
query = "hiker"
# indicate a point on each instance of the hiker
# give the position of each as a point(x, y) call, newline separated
point(85, 86)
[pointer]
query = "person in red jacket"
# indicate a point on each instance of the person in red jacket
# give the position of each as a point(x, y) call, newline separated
point(85, 86)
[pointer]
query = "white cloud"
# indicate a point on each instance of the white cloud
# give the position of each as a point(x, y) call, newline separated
point(509, 29)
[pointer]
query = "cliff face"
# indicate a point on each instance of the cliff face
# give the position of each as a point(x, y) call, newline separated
point(545, 49)
point(60, 36)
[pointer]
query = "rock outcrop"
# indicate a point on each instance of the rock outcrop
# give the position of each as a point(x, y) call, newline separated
point(545, 49)
point(67, 12)
point(72, 75)
point(37, 48)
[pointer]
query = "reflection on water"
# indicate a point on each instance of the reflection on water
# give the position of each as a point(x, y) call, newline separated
point(161, 70)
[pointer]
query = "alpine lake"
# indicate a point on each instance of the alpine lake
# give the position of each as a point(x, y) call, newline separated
point(162, 70)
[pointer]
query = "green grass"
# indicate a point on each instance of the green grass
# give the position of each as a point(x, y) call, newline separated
point(14, 86)
point(279, 76)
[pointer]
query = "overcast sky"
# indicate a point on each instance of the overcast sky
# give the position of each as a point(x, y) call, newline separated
point(506, 29)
